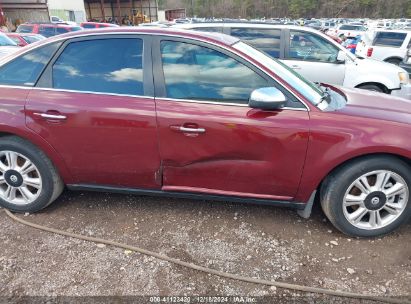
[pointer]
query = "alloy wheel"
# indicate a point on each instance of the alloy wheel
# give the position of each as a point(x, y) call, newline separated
point(20, 179)
point(375, 199)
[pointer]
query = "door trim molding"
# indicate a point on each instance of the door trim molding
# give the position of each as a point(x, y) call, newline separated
point(188, 195)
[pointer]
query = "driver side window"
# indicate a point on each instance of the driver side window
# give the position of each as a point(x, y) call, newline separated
point(194, 72)
point(311, 47)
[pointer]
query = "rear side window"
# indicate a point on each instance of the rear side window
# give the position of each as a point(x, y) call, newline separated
point(26, 69)
point(107, 66)
point(47, 31)
point(24, 29)
point(392, 39)
point(266, 40)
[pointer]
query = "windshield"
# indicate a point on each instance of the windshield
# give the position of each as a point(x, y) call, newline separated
point(34, 38)
point(6, 41)
point(306, 88)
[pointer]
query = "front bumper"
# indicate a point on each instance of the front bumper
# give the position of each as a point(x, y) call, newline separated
point(404, 92)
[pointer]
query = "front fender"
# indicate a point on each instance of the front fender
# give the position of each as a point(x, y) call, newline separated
point(338, 138)
point(372, 71)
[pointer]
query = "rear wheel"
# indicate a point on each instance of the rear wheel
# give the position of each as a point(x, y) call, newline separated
point(369, 197)
point(28, 180)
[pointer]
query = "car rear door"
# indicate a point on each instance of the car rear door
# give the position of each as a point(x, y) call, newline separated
point(313, 57)
point(210, 140)
point(94, 105)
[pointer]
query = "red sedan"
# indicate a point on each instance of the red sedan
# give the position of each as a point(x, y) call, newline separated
point(197, 115)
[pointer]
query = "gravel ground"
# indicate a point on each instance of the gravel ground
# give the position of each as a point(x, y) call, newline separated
point(256, 241)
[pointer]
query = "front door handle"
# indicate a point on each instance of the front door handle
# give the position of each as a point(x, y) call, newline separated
point(51, 116)
point(188, 129)
point(191, 130)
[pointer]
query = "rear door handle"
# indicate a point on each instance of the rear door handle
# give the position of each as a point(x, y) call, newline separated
point(51, 116)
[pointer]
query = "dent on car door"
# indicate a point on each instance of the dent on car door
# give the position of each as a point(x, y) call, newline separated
point(314, 57)
point(210, 140)
point(94, 105)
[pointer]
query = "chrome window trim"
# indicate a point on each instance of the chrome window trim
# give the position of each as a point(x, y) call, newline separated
point(42, 44)
point(73, 91)
point(139, 96)
point(221, 103)
point(90, 92)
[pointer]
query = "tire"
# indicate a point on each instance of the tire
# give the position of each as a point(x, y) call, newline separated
point(28, 180)
point(339, 192)
point(371, 87)
point(395, 61)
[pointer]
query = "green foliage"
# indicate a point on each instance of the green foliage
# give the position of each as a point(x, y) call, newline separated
point(293, 8)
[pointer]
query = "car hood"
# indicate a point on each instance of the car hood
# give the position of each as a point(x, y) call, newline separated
point(375, 66)
point(375, 105)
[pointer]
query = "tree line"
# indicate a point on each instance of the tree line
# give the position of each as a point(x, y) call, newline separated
point(292, 8)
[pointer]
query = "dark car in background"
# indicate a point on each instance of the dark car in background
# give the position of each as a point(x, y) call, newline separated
point(23, 39)
point(47, 29)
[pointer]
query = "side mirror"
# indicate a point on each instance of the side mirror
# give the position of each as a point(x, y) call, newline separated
point(267, 99)
point(341, 57)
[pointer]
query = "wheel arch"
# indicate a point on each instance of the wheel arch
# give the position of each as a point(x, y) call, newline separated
point(360, 157)
point(378, 84)
point(393, 57)
point(42, 145)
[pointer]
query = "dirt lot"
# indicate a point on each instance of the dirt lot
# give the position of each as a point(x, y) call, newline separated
point(256, 241)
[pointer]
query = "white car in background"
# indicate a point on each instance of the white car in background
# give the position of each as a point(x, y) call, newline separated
point(315, 56)
point(7, 46)
point(385, 45)
point(347, 30)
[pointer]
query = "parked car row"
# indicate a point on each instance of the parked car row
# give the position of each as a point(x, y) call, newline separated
point(316, 56)
point(202, 115)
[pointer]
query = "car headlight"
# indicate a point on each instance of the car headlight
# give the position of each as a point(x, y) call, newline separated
point(404, 78)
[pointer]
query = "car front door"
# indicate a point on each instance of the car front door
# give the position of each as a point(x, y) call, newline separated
point(210, 140)
point(314, 57)
point(94, 104)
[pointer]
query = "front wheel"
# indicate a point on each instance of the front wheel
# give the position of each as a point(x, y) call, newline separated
point(368, 197)
point(28, 180)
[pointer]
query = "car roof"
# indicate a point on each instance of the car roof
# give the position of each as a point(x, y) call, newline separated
point(243, 25)
point(212, 37)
